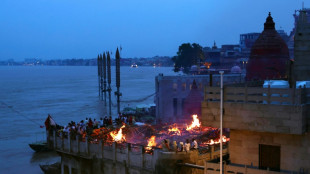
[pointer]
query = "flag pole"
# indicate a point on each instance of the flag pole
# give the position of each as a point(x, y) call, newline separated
point(221, 125)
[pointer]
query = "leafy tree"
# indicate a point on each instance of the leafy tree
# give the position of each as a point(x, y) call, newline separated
point(188, 55)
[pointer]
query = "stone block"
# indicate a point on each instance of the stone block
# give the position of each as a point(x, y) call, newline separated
point(283, 129)
point(235, 143)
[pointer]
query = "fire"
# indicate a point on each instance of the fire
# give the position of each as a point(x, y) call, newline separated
point(118, 136)
point(151, 142)
point(175, 130)
point(224, 139)
point(195, 123)
point(207, 64)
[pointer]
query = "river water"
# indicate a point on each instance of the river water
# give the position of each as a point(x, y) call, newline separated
point(28, 94)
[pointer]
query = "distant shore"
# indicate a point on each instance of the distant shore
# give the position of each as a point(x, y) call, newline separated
point(155, 61)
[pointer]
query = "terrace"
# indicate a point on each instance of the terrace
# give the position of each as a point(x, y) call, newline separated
point(257, 109)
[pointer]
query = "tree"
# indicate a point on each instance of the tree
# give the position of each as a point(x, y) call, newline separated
point(188, 55)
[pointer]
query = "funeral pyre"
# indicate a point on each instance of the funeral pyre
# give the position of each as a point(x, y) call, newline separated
point(152, 136)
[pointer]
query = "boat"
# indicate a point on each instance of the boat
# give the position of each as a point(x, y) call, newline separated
point(134, 65)
point(51, 169)
point(39, 147)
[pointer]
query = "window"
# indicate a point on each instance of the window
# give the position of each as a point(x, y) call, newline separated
point(175, 86)
point(184, 86)
point(182, 106)
point(175, 106)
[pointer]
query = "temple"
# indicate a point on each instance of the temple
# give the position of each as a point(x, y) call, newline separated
point(269, 55)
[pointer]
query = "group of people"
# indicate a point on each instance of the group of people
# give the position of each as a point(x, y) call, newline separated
point(89, 124)
point(182, 147)
point(125, 119)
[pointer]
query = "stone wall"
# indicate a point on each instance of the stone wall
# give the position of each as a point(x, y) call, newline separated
point(295, 149)
point(289, 119)
point(169, 88)
point(83, 157)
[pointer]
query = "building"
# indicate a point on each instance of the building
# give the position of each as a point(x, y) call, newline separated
point(269, 127)
point(172, 92)
point(290, 42)
point(301, 70)
point(246, 42)
point(269, 55)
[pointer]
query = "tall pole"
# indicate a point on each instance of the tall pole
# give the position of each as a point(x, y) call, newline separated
point(109, 82)
point(101, 77)
point(104, 78)
point(98, 64)
point(118, 79)
point(221, 125)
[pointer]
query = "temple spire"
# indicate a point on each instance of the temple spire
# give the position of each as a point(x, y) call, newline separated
point(269, 24)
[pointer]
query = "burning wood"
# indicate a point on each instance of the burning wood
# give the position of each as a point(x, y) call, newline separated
point(118, 136)
point(175, 130)
point(151, 143)
point(195, 123)
point(159, 134)
point(217, 141)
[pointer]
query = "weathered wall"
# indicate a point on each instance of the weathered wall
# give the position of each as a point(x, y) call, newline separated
point(178, 87)
point(295, 149)
point(289, 119)
point(301, 66)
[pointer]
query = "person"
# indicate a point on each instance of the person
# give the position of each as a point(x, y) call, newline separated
point(82, 123)
point(194, 144)
point(110, 121)
point(86, 120)
point(95, 124)
point(175, 146)
point(166, 146)
point(187, 146)
point(105, 121)
point(181, 147)
point(130, 120)
point(90, 123)
point(126, 120)
point(101, 122)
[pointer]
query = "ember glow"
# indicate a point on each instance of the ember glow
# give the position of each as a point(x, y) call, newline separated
point(195, 123)
point(118, 136)
point(224, 139)
point(205, 136)
point(151, 142)
point(175, 130)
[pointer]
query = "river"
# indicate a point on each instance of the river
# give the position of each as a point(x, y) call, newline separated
point(29, 93)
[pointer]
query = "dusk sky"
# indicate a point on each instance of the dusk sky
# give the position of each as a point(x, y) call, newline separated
point(61, 29)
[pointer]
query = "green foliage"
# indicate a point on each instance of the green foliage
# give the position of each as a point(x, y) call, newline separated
point(188, 55)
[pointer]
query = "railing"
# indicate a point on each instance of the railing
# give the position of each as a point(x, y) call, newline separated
point(214, 168)
point(132, 154)
point(286, 96)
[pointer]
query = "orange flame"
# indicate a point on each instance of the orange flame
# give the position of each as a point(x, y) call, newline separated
point(118, 136)
point(175, 130)
point(151, 142)
point(224, 139)
point(195, 123)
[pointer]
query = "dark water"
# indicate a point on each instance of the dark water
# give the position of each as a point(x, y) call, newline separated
point(28, 94)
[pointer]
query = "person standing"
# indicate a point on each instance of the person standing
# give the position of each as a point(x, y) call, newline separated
point(187, 146)
point(194, 144)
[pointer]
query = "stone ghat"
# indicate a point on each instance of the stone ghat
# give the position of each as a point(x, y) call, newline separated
point(125, 156)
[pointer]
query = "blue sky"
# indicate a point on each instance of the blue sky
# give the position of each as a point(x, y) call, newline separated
point(60, 29)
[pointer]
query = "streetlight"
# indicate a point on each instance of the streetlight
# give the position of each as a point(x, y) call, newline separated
point(221, 125)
